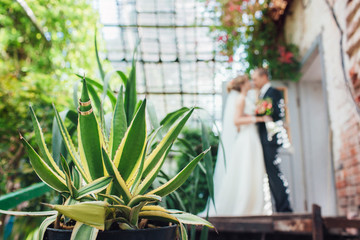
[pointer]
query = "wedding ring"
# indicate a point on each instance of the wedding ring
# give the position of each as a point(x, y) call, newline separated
point(84, 104)
point(86, 112)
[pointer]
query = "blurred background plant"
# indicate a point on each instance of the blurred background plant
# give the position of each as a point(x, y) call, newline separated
point(39, 56)
point(251, 32)
point(196, 185)
point(194, 194)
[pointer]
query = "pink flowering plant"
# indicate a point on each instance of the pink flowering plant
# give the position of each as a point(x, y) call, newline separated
point(256, 27)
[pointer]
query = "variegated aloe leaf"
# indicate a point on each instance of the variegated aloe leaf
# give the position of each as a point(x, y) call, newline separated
point(179, 179)
point(168, 139)
point(69, 183)
point(134, 213)
point(171, 118)
point(143, 198)
point(181, 217)
point(125, 210)
point(89, 138)
point(135, 180)
point(101, 70)
point(183, 231)
point(159, 216)
point(128, 155)
point(29, 214)
point(118, 125)
point(96, 99)
point(58, 144)
point(82, 231)
point(42, 145)
point(45, 173)
point(113, 198)
point(44, 225)
point(150, 178)
point(130, 92)
point(100, 87)
point(91, 213)
point(188, 218)
point(119, 185)
point(94, 187)
point(74, 156)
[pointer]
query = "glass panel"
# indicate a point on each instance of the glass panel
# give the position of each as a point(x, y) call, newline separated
point(146, 5)
point(154, 77)
point(173, 102)
point(171, 75)
point(175, 53)
point(148, 19)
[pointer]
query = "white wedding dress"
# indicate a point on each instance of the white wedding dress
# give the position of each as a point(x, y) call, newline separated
point(240, 184)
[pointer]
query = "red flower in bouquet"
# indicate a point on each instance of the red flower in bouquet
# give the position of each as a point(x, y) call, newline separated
point(264, 107)
point(234, 7)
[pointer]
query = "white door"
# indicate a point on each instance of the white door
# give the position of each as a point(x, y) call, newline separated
point(319, 174)
point(308, 166)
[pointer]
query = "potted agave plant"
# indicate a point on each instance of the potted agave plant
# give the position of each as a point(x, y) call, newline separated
point(107, 182)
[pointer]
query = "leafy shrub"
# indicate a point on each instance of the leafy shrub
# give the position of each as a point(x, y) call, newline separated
point(195, 191)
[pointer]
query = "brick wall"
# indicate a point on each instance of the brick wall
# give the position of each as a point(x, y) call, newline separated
point(353, 44)
point(348, 165)
point(348, 168)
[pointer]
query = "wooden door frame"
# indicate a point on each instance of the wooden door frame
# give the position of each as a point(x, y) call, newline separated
point(316, 50)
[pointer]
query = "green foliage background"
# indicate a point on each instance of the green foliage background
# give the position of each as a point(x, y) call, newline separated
point(196, 183)
point(38, 68)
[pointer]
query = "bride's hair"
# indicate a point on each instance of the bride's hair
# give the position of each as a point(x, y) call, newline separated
point(237, 83)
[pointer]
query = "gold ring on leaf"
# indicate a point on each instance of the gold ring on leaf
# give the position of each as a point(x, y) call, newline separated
point(86, 112)
point(84, 104)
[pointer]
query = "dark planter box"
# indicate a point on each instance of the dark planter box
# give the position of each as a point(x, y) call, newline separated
point(163, 233)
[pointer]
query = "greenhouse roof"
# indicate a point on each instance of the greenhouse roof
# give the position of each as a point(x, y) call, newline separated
point(178, 64)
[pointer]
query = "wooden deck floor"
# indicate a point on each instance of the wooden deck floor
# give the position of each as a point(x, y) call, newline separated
point(284, 226)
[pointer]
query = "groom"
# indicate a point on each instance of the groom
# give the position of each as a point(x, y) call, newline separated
point(271, 146)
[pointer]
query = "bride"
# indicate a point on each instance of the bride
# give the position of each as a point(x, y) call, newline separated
point(240, 182)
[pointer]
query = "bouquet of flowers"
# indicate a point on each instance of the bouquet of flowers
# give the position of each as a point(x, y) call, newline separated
point(264, 107)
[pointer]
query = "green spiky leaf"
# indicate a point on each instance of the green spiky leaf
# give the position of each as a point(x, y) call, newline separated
point(118, 183)
point(90, 213)
point(74, 156)
point(84, 232)
point(45, 173)
point(42, 145)
point(130, 93)
point(119, 124)
point(160, 149)
point(89, 138)
point(179, 179)
point(94, 187)
point(129, 154)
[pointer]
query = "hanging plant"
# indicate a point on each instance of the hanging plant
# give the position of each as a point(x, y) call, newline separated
point(253, 29)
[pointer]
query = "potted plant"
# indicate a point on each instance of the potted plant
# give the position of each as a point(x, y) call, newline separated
point(106, 182)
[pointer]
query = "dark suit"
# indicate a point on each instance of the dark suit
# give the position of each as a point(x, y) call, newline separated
point(270, 149)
